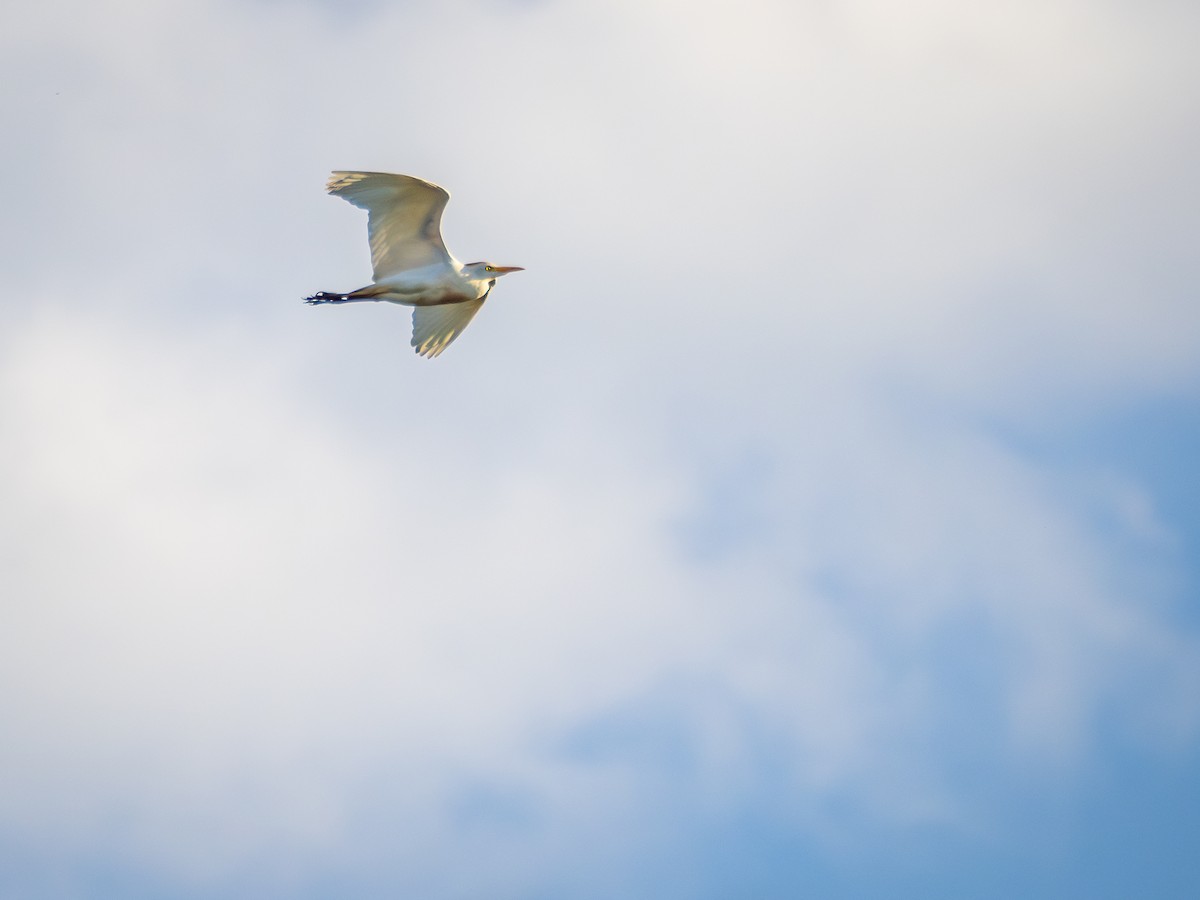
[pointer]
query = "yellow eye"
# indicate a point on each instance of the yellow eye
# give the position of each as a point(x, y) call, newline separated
point(487, 268)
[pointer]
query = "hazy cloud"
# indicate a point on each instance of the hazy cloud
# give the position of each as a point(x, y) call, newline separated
point(722, 504)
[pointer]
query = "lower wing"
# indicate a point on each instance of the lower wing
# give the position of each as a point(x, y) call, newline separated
point(436, 327)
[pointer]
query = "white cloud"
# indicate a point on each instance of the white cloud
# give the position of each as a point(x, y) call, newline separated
point(280, 588)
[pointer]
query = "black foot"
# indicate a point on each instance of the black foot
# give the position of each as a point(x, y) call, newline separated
point(324, 297)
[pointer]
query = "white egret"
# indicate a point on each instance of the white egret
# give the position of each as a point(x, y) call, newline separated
point(411, 264)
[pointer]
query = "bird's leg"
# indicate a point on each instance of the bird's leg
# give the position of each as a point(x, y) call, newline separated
point(326, 297)
point(370, 292)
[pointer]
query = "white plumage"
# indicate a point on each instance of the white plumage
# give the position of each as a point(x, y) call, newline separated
point(411, 263)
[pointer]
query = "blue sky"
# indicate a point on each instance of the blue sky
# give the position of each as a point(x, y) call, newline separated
point(815, 516)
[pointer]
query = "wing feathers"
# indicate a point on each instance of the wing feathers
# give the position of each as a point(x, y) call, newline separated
point(436, 327)
point(404, 218)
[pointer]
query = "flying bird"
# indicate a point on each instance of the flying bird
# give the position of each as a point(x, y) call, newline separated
point(411, 265)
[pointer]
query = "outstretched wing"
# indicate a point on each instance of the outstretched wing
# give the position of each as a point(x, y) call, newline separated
point(404, 218)
point(436, 327)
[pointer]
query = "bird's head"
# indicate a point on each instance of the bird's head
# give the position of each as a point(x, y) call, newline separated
point(486, 271)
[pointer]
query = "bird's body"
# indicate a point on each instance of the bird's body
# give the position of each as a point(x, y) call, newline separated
point(412, 266)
